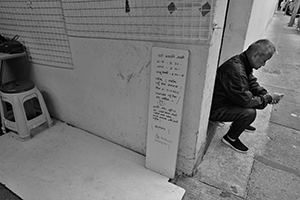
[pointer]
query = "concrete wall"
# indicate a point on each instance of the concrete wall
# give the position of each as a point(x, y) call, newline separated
point(261, 15)
point(212, 63)
point(107, 92)
point(239, 13)
point(246, 22)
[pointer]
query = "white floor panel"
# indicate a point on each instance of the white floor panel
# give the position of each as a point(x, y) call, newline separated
point(64, 162)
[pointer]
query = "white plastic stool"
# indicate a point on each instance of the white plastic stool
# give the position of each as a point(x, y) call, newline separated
point(22, 108)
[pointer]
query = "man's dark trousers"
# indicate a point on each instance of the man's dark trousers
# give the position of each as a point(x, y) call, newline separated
point(239, 116)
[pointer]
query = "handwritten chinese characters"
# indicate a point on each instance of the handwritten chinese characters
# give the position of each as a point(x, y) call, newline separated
point(167, 85)
point(169, 75)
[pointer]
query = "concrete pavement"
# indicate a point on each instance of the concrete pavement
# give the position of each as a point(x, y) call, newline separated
point(271, 170)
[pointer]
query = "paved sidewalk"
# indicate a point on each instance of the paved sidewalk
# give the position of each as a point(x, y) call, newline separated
point(271, 170)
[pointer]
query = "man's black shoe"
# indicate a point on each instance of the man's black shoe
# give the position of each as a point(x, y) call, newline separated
point(250, 128)
point(236, 145)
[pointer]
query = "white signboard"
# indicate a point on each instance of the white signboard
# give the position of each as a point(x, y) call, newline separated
point(167, 86)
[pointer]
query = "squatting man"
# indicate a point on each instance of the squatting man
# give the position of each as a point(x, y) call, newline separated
point(237, 94)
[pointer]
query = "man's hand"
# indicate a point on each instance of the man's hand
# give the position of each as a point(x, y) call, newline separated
point(276, 97)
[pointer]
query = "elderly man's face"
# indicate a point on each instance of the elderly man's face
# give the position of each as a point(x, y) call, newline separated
point(258, 61)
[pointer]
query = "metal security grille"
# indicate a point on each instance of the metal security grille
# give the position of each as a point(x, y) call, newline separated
point(41, 27)
point(183, 21)
point(45, 25)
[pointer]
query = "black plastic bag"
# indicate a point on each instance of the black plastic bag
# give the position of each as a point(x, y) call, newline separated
point(2, 39)
point(11, 46)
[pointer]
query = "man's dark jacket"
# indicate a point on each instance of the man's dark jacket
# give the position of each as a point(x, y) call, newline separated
point(235, 85)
